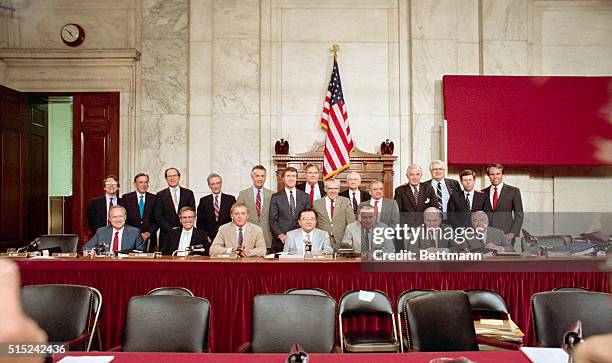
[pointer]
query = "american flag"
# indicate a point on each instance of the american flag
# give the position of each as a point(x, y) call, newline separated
point(334, 119)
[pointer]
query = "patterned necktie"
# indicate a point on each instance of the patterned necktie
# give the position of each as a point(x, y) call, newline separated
point(175, 199)
point(366, 241)
point(308, 244)
point(354, 204)
point(216, 208)
point(331, 210)
point(291, 204)
point(141, 206)
point(416, 195)
point(187, 240)
point(116, 242)
point(439, 194)
point(258, 203)
point(240, 237)
point(468, 207)
point(495, 198)
point(311, 195)
point(376, 210)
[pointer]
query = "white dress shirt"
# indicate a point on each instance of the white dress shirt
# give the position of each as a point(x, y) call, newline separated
point(379, 206)
point(317, 192)
point(470, 196)
point(113, 238)
point(185, 240)
point(287, 190)
point(357, 195)
point(108, 199)
point(261, 196)
point(328, 207)
point(178, 195)
point(492, 192)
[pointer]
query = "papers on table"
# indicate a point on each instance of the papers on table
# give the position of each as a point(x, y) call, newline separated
point(545, 355)
point(88, 359)
point(499, 329)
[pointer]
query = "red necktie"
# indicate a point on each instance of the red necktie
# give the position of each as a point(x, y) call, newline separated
point(311, 195)
point(376, 210)
point(116, 242)
point(216, 206)
point(331, 210)
point(258, 203)
point(495, 198)
point(110, 204)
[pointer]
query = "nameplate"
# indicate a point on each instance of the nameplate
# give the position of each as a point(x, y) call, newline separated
point(14, 254)
point(141, 255)
point(224, 256)
point(318, 257)
point(65, 254)
point(291, 257)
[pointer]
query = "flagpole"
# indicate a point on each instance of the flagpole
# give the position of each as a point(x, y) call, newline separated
point(334, 49)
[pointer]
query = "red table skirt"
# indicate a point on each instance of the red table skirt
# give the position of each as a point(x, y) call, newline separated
point(481, 357)
point(231, 286)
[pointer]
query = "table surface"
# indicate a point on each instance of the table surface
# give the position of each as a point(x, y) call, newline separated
point(480, 357)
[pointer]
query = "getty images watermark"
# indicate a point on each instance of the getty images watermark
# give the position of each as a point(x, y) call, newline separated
point(443, 243)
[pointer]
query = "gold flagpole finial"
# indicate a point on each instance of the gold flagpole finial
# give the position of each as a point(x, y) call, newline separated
point(334, 49)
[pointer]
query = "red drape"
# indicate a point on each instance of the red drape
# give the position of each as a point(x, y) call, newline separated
point(230, 287)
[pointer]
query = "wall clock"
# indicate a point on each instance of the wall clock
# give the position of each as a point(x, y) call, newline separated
point(72, 35)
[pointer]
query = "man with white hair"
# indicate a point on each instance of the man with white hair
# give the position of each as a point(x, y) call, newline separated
point(214, 208)
point(494, 239)
point(334, 212)
point(414, 197)
point(353, 193)
point(360, 234)
point(444, 187)
point(432, 238)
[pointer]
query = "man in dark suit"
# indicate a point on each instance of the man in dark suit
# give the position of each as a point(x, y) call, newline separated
point(140, 206)
point(463, 203)
point(168, 202)
point(117, 235)
point(98, 207)
point(314, 188)
point(443, 187)
point(503, 203)
point(413, 198)
point(285, 207)
point(353, 193)
point(214, 209)
point(181, 238)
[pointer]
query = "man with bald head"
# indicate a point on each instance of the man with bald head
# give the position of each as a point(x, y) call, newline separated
point(494, 239)
point(414, 197)
point(353, 193)
point(433, 238)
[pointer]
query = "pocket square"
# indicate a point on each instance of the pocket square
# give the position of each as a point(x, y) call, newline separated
point(427, 201)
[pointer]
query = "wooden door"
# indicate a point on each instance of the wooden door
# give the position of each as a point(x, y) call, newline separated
point(37, 192)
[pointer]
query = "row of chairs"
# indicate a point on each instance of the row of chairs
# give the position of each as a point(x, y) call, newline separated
point(172, 319)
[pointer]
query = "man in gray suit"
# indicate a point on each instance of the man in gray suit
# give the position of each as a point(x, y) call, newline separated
point(360, 234)
point(117, 235)
point(334, 212)
point(308, 238)
point(494, 239)
point(285, 207)
point(433, 233)
point(386, 210)
point(257, 200)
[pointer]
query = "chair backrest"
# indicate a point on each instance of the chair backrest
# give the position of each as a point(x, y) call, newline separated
point(440, 321)
point(174, 291)
point(570, 289)
point(281, 320)
point(358, 301)
point(67, 242)
point(62, 311)
point(401, 301)
point(314, 291)
point(488, 303)
point(553, 311)
point(166, 324)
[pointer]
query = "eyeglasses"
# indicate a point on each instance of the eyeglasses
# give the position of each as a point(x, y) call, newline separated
point(111, 184)
point(187, 217)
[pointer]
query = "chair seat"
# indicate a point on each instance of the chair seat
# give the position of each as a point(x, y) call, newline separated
point(370, 341)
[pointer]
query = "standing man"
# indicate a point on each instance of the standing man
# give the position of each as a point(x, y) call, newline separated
point(140, 206)
point(257, 200)
point(169, 201)
point(214, 209)
point(353, 193)
point(503, 203)
point(181, 238)
point(117, 234)
point(413, 198)
point(308, 238)
point(285, 207)
point(98, 207)
point(443, 187)
point(313, 187)
point(239, 236)
point(334, 212)
point(462, 204)
point(386, 210)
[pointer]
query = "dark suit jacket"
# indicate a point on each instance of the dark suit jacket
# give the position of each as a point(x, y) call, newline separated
point(458, 215)
point(206, 213)
point(365, 196)
point(411, 211)
point(302, 187)
point(451, 184)
point(97, 215)
point(280, 215)
point(165, 215)
point(146, 223)
point(198, 237)
point(509, 202)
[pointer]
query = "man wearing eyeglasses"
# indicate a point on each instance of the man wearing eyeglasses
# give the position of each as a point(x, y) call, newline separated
point(98, 207)
point(308, 239)
point(181, 238)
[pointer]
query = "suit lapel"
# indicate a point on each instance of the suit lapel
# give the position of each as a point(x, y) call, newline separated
point(411, 195)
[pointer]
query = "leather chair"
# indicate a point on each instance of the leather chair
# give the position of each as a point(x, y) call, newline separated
point(401, 301)
point(281, 320)
point(552, 312)
point(354, 303)
point(570, 289)
point(173, 291)
point(440, 322)
point(67, 313)
point(166, 324)
point(67, 242)
point(314, 291)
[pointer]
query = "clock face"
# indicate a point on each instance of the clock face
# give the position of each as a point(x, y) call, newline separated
point(72, 34)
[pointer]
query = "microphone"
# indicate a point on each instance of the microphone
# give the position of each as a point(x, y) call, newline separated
point(32, 245)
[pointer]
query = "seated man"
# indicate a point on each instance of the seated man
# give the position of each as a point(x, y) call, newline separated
point(359, 234)
point(187, 236)
point(433, 234)
point(494, 239)
point(308, 238)
point(239, 236)
point(118, 236)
